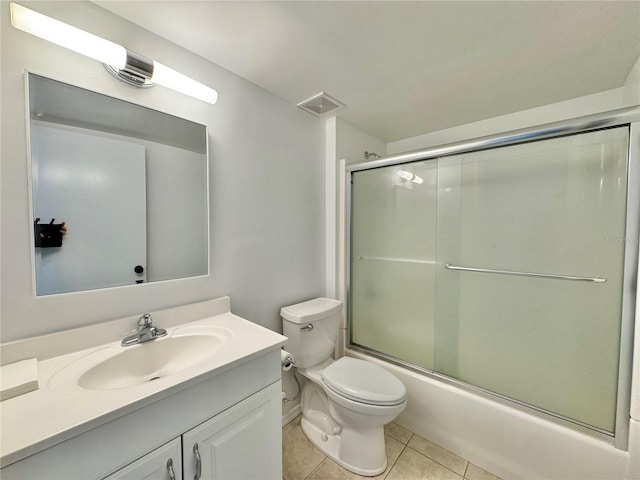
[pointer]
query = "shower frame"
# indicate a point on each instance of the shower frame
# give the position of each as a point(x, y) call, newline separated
point(616, 118)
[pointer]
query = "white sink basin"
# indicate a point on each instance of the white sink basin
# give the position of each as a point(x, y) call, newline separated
point(115, 367)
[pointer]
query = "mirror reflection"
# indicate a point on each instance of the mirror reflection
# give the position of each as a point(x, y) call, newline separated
point(119, 191)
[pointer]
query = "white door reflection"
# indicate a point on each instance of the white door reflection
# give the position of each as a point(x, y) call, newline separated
point(75, 176)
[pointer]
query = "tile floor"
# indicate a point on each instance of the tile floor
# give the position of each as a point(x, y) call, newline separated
point(409, 457)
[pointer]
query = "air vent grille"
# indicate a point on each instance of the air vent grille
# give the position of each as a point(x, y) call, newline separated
point(321, 104)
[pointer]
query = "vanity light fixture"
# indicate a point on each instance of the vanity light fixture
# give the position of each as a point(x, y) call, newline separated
point(129, 67)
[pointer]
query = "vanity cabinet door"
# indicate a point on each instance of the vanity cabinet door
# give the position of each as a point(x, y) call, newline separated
point(243, 442)
point(164, 463)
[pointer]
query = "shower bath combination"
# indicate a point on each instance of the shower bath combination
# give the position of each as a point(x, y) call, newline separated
point(496, 271)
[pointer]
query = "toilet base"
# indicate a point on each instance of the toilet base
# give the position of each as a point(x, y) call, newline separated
point(330, 446)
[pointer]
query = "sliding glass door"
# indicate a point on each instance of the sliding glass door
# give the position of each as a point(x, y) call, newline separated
point(393, 261)
point(500, 268)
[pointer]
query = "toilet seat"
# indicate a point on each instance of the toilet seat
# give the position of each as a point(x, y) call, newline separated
point(363, 382)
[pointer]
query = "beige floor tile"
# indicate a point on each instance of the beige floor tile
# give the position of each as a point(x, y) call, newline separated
point(399, 433)
point(414, 466)
point(393, 449)
point(299, 457)
point(422, 460)
point(439, 454)
point(476, 473)
point(329, 470)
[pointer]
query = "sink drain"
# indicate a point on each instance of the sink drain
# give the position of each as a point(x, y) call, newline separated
point(154, 378)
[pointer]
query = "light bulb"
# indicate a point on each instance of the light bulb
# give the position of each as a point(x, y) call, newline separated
point(67, 36)
point(167, 77)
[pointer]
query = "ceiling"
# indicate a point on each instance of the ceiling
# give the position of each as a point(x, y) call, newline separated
point(407, 68)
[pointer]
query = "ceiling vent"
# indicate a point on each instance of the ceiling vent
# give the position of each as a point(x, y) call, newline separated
point(321, 104)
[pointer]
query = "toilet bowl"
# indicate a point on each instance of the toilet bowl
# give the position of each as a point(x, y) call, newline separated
point(345, 402)
point(346, 420)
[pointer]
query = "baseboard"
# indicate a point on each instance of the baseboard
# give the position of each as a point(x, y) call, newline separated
point(293, 413)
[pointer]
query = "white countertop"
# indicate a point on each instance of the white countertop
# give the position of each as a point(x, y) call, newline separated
point(52, 414)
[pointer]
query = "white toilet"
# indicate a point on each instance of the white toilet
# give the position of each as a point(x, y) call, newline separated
point(345, 402)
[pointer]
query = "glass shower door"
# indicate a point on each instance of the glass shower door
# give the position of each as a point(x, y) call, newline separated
point(393, 254)
point(555, 209)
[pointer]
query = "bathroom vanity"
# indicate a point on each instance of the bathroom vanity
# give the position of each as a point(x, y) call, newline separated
point(98, 414)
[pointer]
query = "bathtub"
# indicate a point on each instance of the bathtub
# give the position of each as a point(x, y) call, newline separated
point(504, 438)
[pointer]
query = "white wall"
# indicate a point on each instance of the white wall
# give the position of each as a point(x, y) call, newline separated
point(175, 183)
point(351, 143)
point(633, 79)
point(266, 181)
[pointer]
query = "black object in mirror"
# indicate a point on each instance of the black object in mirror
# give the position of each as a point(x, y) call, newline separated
point(48, 235)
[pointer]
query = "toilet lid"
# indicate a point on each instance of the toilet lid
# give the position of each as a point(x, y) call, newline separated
point(364, 382)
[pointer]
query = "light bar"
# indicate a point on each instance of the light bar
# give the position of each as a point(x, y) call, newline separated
point(169, 78)
point(67, 36)
point(115, 56)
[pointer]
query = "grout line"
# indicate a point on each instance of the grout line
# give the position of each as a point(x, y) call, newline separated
point(399, 439)
point(317, 466)
point(404, 447)
point(466, 468)
point(442, 465)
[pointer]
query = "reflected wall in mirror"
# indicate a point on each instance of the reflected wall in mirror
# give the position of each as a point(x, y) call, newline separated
point(130, 184)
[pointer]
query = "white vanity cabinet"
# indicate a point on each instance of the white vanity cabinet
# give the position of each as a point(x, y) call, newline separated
point(239, 443)
point(234, 416)
point(164, 463)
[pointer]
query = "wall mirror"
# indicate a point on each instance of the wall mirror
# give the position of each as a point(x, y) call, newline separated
point(130, 184)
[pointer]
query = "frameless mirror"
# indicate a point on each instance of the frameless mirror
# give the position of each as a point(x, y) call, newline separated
point(119, 191)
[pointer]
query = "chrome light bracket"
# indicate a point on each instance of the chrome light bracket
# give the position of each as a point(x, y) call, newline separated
point(137, 72)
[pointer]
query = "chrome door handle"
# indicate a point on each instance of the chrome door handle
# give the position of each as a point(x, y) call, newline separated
point(172, 474)
point(307, 328)
point(196, 452)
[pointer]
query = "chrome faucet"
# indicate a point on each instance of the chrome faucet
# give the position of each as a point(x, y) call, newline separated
point(146, 332)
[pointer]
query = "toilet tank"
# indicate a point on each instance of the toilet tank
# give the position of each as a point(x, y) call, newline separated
point(312, 328)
